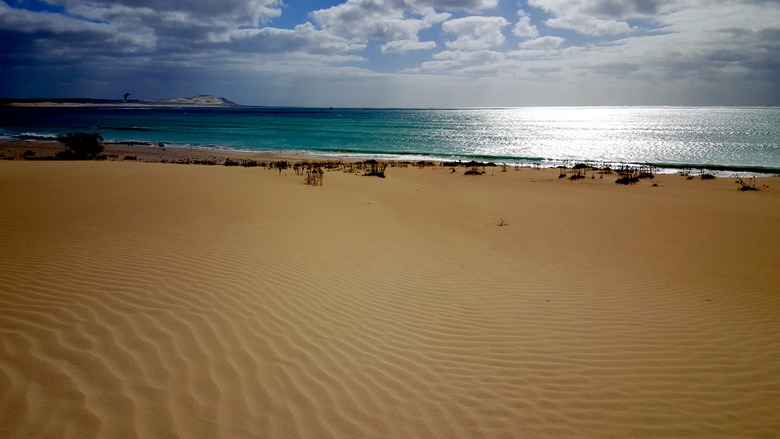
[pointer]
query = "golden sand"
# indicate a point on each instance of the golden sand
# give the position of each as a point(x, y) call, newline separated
point(160, 300)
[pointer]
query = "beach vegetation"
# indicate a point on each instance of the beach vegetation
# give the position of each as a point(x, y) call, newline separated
point(474, 171)
point(372, 168)
point(475, 163)
point(579, 172)
point(208, 162)
point(279, 165)
point(28, 153)
point(331, 164)
point(501, 223)
point(314, 176)
point(645, 173)
point(627, 176)
point(79, 146)
point(130, 157)
point(627, 180)
point(707, 177)
point(242, 162)
point(749, 185)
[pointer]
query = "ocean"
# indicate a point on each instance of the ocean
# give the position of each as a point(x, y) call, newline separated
point(719, 138)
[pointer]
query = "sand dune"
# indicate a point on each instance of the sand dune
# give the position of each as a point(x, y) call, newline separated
point(161, 300)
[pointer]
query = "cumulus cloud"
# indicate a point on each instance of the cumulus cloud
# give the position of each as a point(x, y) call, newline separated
point(475, 32)
point(407, 46)
point(587, 25)
point(376, 20)
point(524, 28)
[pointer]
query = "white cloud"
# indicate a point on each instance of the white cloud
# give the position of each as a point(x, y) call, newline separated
point(439, 65)
point(596, 17)
point(467, 62)
point(524, 28)
point(110, 12)
point(303, 38)
point(21, 20)
point(407, 46)
point(475, 32)
point(478, 56)
point(607, 8)
point(113, 37)
point(542, 43)
point(204, 12)
point(465, 5)
point(388, 21)
point(590, 25)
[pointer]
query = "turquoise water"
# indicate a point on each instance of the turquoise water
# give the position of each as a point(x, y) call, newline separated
point(723, 137)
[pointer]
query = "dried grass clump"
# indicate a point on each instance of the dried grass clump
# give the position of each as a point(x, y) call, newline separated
point(750, 185)
point(474, 171)
point(314, 177)
point(372, 168)
point(627, 176)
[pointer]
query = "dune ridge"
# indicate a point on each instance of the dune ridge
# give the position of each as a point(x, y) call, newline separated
point(161, 300)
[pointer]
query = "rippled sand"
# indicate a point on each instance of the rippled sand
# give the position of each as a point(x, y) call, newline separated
point(161, 300)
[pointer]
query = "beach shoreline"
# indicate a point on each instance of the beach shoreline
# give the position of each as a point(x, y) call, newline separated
point(40, 149)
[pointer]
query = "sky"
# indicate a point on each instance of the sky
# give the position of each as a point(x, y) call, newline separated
point(396, 53)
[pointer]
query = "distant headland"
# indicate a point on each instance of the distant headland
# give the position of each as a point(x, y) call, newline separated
point(194, 101)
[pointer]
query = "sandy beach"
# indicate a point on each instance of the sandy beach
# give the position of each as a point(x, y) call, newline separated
point(164, 300)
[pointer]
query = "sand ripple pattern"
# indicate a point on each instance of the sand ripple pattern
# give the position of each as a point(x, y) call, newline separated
point(217, 307)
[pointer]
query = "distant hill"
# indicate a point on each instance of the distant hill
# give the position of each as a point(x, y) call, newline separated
point(194, 101)
point(200, 101)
